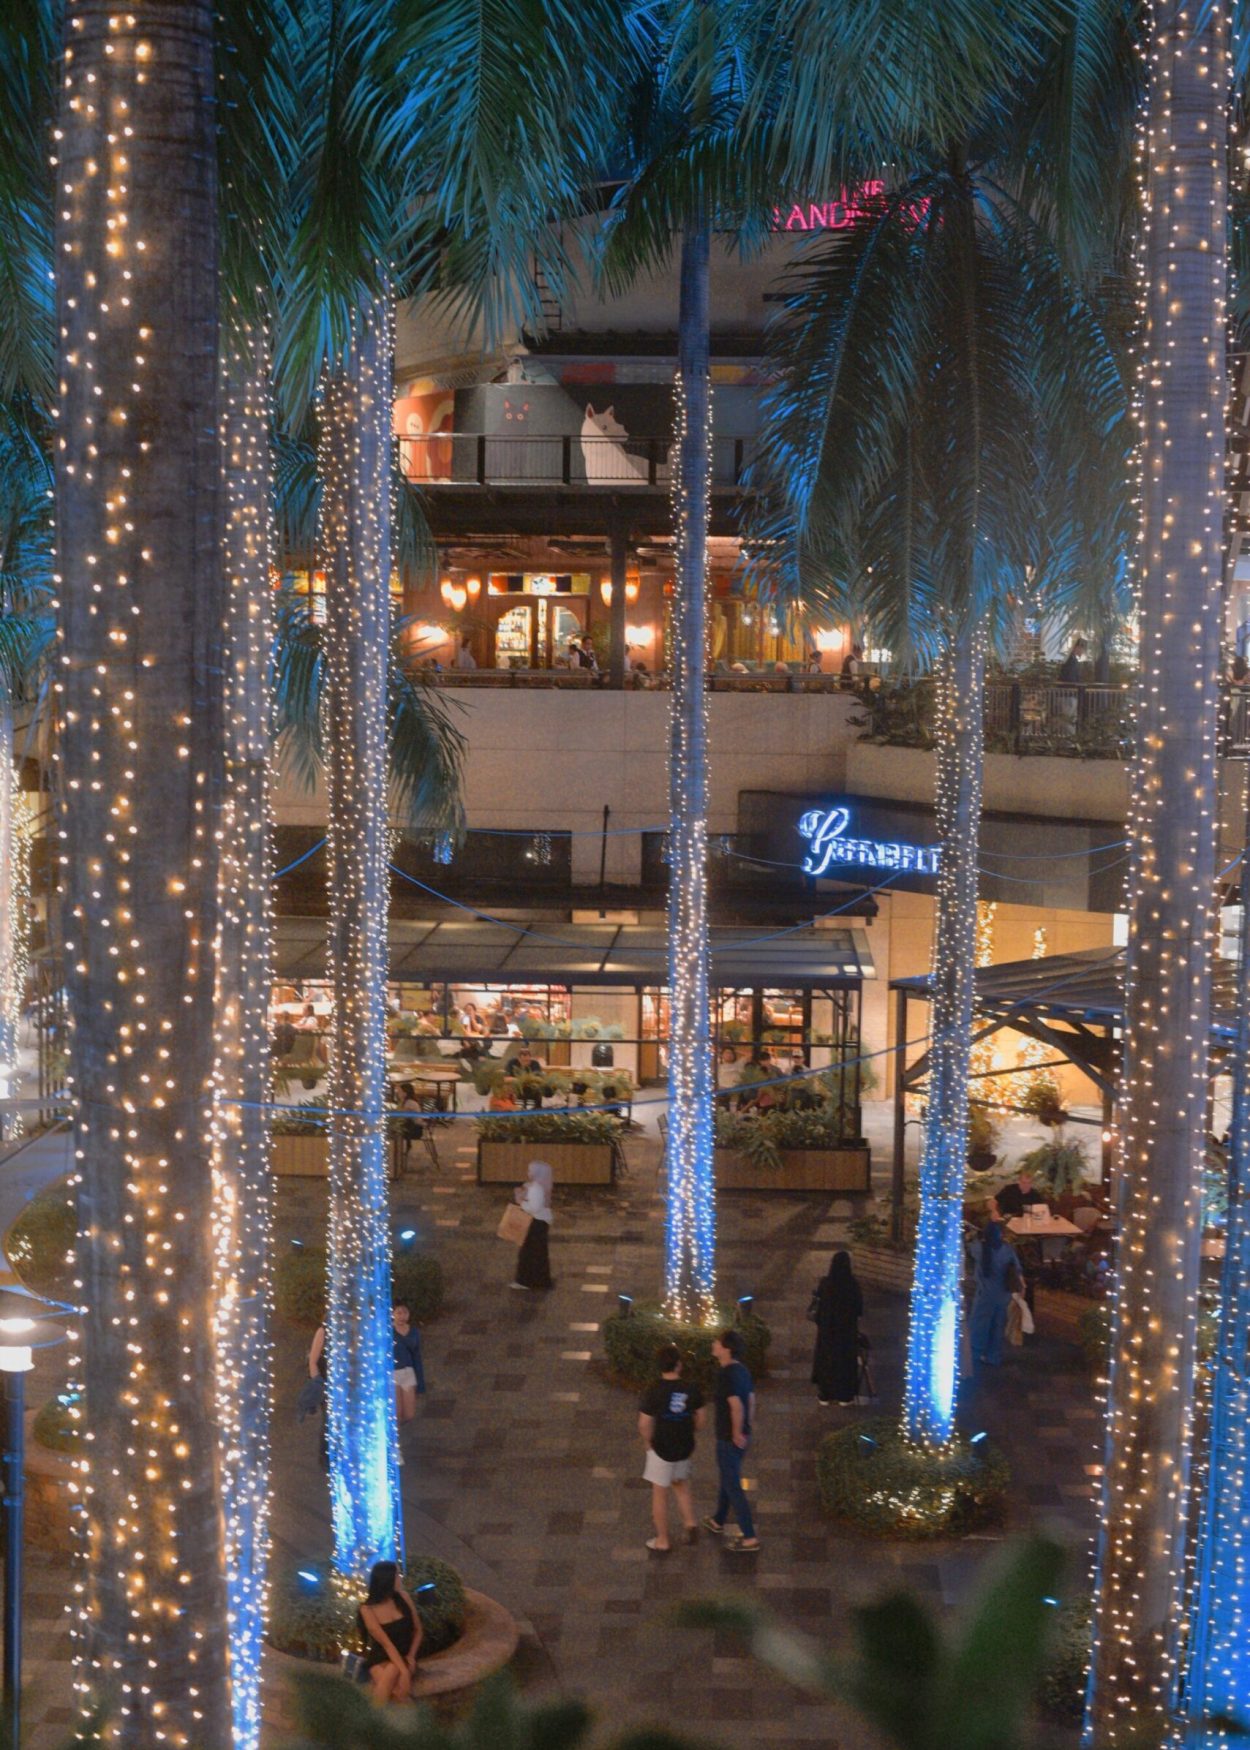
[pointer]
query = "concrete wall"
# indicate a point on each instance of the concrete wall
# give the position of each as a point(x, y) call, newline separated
point(549, 758)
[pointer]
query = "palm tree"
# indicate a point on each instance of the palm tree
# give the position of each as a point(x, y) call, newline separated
point(1139, 1614)
point(138, 473)
point(936, 367)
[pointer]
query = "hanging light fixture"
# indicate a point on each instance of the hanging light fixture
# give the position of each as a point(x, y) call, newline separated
point(473, 586)
point(605, 590)
point(445, 589)
point(631, 590)
point(456, 598)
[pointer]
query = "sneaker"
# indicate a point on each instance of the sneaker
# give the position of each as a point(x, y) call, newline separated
point(714, 1526)
point(520, 1286)
point(824, 1402)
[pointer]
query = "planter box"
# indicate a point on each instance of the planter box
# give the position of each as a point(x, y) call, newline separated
point(802, 1169)
point(571, 1163)
point(882, 1267)
point(304, 1157)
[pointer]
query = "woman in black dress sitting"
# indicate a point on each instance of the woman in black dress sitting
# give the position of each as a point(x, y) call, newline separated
point(391, 1629)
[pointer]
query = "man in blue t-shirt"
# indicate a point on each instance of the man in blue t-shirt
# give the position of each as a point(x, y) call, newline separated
point(735, 1419)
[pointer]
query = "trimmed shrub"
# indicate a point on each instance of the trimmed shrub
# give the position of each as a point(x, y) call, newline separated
point(871, 1477)
point(320, 1622)
point(631, 1344)
point(300, 1285)
point(550, 1127)
point(58, 1424)
point(40, 1240)
point(1061, 1687)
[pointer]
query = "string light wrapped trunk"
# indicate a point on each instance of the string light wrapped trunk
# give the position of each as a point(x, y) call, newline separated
point(355, 552)
point(936, 1308)
point(14, 910)
point(140, 582)
point(690, 1230)
point(1139, 1602)
point(242, 1182)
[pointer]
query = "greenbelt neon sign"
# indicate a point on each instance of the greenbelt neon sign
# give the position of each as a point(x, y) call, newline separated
point(825, 832)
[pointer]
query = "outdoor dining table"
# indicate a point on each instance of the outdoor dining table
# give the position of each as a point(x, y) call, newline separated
point(1055, 1230)
point(439, 1077)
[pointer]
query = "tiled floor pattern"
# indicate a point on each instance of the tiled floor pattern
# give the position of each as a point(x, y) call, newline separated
point(523, 1465)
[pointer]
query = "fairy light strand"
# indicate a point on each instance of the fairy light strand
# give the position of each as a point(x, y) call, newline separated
point(355, 535)
point(1140, 1619)
point(242, 1184)
point(138, 779)
point(935, 1307)
point(690, 1228)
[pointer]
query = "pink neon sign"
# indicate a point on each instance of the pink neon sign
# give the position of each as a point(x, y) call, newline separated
point(831, 215)
point(836, 215)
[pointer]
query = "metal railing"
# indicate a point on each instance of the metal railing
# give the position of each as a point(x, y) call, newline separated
point(597, 459)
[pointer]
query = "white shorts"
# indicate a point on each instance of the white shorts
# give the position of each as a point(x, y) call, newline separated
point(665, 1471)
point(406, 1378)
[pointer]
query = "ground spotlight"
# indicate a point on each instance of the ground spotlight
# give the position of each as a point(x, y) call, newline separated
point(868, 1441)
point(406, 1238)
point(309, 1580)
point(746, 1305)
point(978, 1438)
point(297, 1245)
point(626, 1304)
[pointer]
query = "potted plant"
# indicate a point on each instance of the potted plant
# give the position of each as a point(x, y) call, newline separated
point(580, 1147)
point(1059, 1166)
point(1043, 1102)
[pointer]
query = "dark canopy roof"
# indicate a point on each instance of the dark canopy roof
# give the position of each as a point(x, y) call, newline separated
point(542, 950)
point(1060, 998)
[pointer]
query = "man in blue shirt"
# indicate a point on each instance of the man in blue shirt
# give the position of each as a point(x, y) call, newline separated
point(735, 1419)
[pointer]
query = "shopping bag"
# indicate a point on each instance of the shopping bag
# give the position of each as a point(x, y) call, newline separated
point(1014, 1328)
point(514, 1224)
point(1026, 1317)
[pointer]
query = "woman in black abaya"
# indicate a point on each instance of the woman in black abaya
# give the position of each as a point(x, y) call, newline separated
point(837, 1306)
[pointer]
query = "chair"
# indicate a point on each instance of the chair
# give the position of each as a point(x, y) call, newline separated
point(302, 1057)
point(1086, 1218)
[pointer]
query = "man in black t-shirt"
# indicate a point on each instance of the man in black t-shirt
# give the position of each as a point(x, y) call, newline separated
point(669, 1416)
point(1017, 1195)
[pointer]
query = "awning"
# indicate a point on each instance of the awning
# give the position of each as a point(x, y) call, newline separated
point(542, 950)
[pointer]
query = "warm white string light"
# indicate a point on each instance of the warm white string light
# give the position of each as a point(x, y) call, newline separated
point(355, 552)
point(15, 841)
point(242, 1184)
point(138, 696)
point(1140, 1606)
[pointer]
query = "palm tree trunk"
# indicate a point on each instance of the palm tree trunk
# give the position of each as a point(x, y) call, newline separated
point(356, 554)
point(138, 476)
point(242, 1185)
point(690, 1237)
point(1141, 1560)
point(936, 1307)
point(12, 924)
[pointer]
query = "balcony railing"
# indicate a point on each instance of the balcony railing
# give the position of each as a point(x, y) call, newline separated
point(1074, 720)
point(479, 459)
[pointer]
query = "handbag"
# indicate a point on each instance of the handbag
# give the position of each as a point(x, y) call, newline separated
point(514, 1224)
point(353, 1667)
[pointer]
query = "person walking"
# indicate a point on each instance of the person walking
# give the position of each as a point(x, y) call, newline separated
point(409, 1371)
point(533, 1264)
point(836, 1308)
point(391, 1631)
point(735, 1420)
point(997, 1279)
point(669, 1417)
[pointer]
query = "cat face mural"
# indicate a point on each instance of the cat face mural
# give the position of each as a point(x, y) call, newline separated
point(603, 448)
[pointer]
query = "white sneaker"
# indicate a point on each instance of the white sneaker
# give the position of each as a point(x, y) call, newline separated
point(519, 1285)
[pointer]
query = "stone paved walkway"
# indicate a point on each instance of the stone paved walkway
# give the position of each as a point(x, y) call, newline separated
point(522, 1467)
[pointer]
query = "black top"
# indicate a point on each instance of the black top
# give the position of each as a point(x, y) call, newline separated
point(1012, 1201)
point(671, 1404)
point(401, 1633)
point(732, 1381)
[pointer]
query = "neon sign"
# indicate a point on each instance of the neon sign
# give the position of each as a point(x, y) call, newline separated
point(825, 832)
point(833, 215)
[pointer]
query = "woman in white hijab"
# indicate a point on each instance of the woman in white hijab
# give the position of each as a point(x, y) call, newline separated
point(533, 1265)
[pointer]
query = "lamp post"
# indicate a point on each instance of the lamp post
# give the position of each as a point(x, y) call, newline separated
point(22, 1331)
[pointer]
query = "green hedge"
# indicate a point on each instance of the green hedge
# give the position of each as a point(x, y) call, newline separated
point(1061, 1688)
point(41, 1238)
point(632, 1342)
point(870, 1476)
point(550, 1127)
point(55, 1428)
point(321, 1624)
point(300, 1285)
